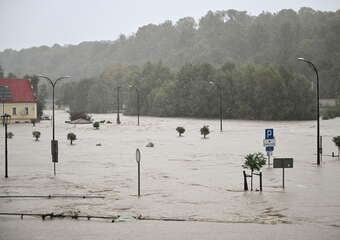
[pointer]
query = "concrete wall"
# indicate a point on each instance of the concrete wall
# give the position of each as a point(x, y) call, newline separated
point(21, 113)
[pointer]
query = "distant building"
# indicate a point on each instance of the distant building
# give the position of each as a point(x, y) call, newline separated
point(17, 99)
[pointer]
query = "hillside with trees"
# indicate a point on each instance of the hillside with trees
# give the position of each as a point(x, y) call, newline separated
point(218, 37)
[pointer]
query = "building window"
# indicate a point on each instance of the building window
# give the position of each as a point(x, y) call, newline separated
point(26, 110)
point(14, 111)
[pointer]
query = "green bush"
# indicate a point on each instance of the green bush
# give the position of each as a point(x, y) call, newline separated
point(96, 125)
point(36, 134)
point(72, 137)
point(205, 130)
point(10, 134)
point(254, 161)
point(180, 130)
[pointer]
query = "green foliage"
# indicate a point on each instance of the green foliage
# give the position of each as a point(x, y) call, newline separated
point(332, 112)
point(71, 137)
point(96, 125)
point(218, 37)
point(205, 131)
point(10, 135)
point(36, 135)
point(254, 161)
point(336, 140)
point(180, 130)
point(2, 74)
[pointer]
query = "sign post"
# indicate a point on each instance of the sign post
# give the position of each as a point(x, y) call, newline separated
point(283, 163)
point(54, 152)
point(138, 163)
point(269, 142)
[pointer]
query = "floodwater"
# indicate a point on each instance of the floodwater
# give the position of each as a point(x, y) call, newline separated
point(187, 178)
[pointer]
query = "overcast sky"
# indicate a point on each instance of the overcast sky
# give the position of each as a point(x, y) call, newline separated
point(27, 23)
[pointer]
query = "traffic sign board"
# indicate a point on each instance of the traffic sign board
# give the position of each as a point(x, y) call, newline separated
point(269, 133)
point(137, 155)
point(269, 149)
point(283, 163)
point(269, 142)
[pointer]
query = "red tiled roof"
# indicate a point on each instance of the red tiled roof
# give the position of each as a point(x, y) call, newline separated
point(20, 89)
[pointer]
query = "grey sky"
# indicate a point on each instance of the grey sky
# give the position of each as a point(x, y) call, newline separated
point(27, 23)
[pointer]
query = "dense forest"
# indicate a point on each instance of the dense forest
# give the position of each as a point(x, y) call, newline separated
point(248, 91)
point(180, 69)
point(218, 37)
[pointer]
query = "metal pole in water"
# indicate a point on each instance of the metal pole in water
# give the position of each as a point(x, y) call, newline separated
point(245, 183)
point(6, 152)
point(138, 179)
point(283, 177)
point(138, 165)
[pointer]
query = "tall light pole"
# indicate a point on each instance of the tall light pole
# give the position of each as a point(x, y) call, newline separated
point(137, 92)
point(318, 147)
point(54, 143)
point(220, 97)
point(118, 119)
point(6, 118)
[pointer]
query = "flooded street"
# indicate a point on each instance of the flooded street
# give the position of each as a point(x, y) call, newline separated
point(187, 178)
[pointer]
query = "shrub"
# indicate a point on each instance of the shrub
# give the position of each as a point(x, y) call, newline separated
point(336, 140)
point(36, 134)
point(71, 136)
point(10, 134)
point(180, 130)
point(96, 125)
point(254, 161)
point(205, 130)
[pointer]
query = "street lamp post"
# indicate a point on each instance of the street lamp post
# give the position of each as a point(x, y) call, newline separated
point(6, 118)
point(54, 143)
point(318, 147)
point(118, 119)
point(220, 98)
point(137, 93)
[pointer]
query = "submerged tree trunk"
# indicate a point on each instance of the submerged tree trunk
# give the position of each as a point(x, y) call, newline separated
point(251, 181)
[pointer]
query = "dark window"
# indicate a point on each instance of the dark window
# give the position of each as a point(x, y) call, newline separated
point(26, 110)
point(14, 111)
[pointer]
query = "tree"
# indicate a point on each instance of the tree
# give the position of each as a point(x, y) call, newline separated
point(180, 130)
point(336, 140)
point(10, 134)
point(36, 134)
point(205, 130)
point(96, 125)
point(1, 72)
point(254, 161)
point(72, 137)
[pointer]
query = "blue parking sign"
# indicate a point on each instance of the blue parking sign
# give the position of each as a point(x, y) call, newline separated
point(269, 133)
point(269, 149)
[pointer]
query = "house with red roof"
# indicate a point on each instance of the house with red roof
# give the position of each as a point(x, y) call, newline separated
point(17, 99)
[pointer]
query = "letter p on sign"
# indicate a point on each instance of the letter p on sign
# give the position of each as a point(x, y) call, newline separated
point(269, 133)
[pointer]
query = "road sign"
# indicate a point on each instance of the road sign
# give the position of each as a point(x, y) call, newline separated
point(269, 133)
point(283, 163)
point(269, 142)
point(269, 149)
point(54, 150)
point(137, 155)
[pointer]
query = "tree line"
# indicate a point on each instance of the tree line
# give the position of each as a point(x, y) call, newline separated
point(218, 37)
point(249, 91)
